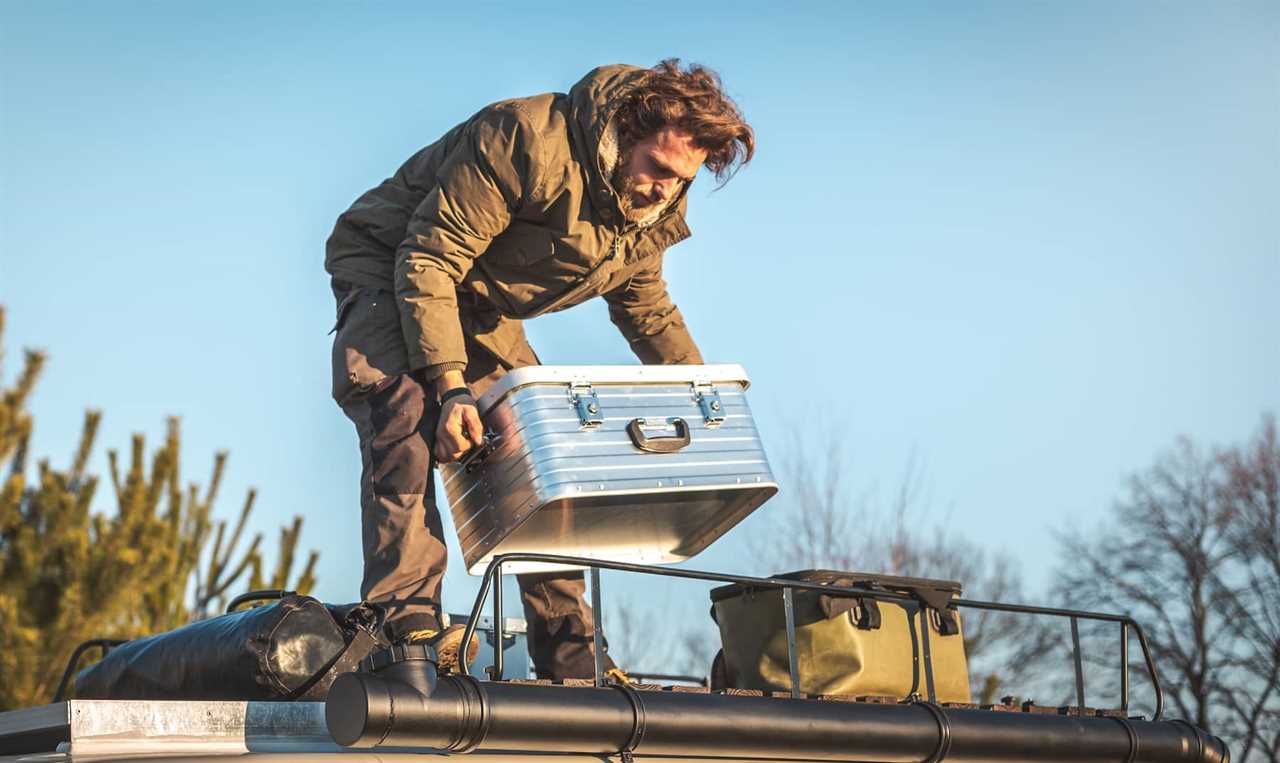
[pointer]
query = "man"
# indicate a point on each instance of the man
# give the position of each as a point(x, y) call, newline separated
point(532, 205)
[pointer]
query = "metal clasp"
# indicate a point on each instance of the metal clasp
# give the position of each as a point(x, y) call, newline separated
point(708, 399)
point(583, 397)
point(475, 458)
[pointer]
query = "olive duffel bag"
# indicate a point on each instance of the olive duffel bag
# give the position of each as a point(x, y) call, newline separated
point(845, 645)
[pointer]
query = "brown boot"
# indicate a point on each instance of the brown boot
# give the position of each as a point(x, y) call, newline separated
point(446, 643)
point(619, 676)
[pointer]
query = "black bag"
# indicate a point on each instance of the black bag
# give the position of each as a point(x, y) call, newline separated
point(291, 649)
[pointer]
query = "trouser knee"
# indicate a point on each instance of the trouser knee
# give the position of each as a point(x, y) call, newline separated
point(401, 431)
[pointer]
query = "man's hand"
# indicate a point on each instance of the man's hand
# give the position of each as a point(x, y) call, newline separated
point(460, 428)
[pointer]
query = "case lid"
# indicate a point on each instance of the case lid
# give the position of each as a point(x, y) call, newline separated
point(721, 373)
point(846, 580)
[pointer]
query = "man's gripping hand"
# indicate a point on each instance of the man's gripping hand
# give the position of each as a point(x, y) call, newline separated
point(460, 428)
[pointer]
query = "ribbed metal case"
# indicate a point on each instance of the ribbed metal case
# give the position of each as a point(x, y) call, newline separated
point(628, 463)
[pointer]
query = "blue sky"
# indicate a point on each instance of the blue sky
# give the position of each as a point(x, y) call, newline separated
point(1029, 242)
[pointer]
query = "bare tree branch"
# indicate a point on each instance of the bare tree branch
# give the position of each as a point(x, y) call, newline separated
point(1193, 553)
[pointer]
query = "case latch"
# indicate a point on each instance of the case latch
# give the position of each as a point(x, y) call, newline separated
point(708, 400)
point(583, 397)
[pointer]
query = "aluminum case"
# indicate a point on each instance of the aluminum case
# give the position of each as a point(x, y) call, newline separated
point(644, 464)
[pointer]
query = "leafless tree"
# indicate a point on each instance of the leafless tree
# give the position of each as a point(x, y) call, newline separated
point(1193, 554)
point(1250, 494)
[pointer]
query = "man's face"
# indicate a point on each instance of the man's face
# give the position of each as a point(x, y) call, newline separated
point(654, 170)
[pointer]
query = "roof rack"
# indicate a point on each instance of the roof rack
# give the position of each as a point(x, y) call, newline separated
point(914, 606)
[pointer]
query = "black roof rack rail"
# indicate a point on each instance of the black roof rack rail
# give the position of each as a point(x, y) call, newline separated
point(493, 580)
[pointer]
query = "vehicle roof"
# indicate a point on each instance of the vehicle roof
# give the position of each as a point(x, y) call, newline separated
point(191, 731)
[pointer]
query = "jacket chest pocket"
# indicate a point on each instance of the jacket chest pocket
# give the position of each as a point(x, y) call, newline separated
point(532, 252)
point(558, 264)
point(529, 245)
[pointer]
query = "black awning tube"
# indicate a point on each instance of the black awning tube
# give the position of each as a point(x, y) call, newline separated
point(369, 711)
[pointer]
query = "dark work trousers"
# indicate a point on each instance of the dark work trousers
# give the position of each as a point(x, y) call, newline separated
point(395, 414)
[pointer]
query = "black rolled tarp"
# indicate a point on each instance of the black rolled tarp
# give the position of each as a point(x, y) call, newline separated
point(293, 648)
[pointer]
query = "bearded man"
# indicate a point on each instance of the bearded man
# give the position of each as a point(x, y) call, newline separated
point(532, 205)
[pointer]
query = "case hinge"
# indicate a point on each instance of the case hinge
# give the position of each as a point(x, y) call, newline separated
point(583, 398)
point(708, 399)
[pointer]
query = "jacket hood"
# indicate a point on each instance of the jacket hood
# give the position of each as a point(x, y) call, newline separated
point(592, 102)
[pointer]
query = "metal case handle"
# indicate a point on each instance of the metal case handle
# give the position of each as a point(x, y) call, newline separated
point(648, 444)
point(473, 458)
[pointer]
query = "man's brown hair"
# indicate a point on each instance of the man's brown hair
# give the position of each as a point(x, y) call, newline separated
point(691, 100)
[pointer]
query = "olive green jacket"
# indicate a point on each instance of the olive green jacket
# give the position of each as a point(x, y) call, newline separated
point(513, 209)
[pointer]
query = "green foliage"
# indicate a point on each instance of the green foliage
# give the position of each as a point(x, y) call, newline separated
point(68, 574)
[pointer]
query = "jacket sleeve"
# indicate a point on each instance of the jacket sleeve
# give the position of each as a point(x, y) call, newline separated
point(482, 181)
point(644, 313)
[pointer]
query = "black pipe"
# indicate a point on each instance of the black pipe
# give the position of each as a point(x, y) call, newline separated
point(461, 713)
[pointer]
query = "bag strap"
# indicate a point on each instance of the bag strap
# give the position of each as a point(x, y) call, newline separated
point(866, 608)
point(365, 620)
point(347, 661)
point(939, 600)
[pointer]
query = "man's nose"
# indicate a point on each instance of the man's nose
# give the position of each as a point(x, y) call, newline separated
point(665, 189)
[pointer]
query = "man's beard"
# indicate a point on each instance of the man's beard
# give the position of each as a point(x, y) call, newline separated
point(634, 209)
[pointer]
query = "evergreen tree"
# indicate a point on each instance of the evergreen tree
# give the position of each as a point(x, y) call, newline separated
point(68, 574)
